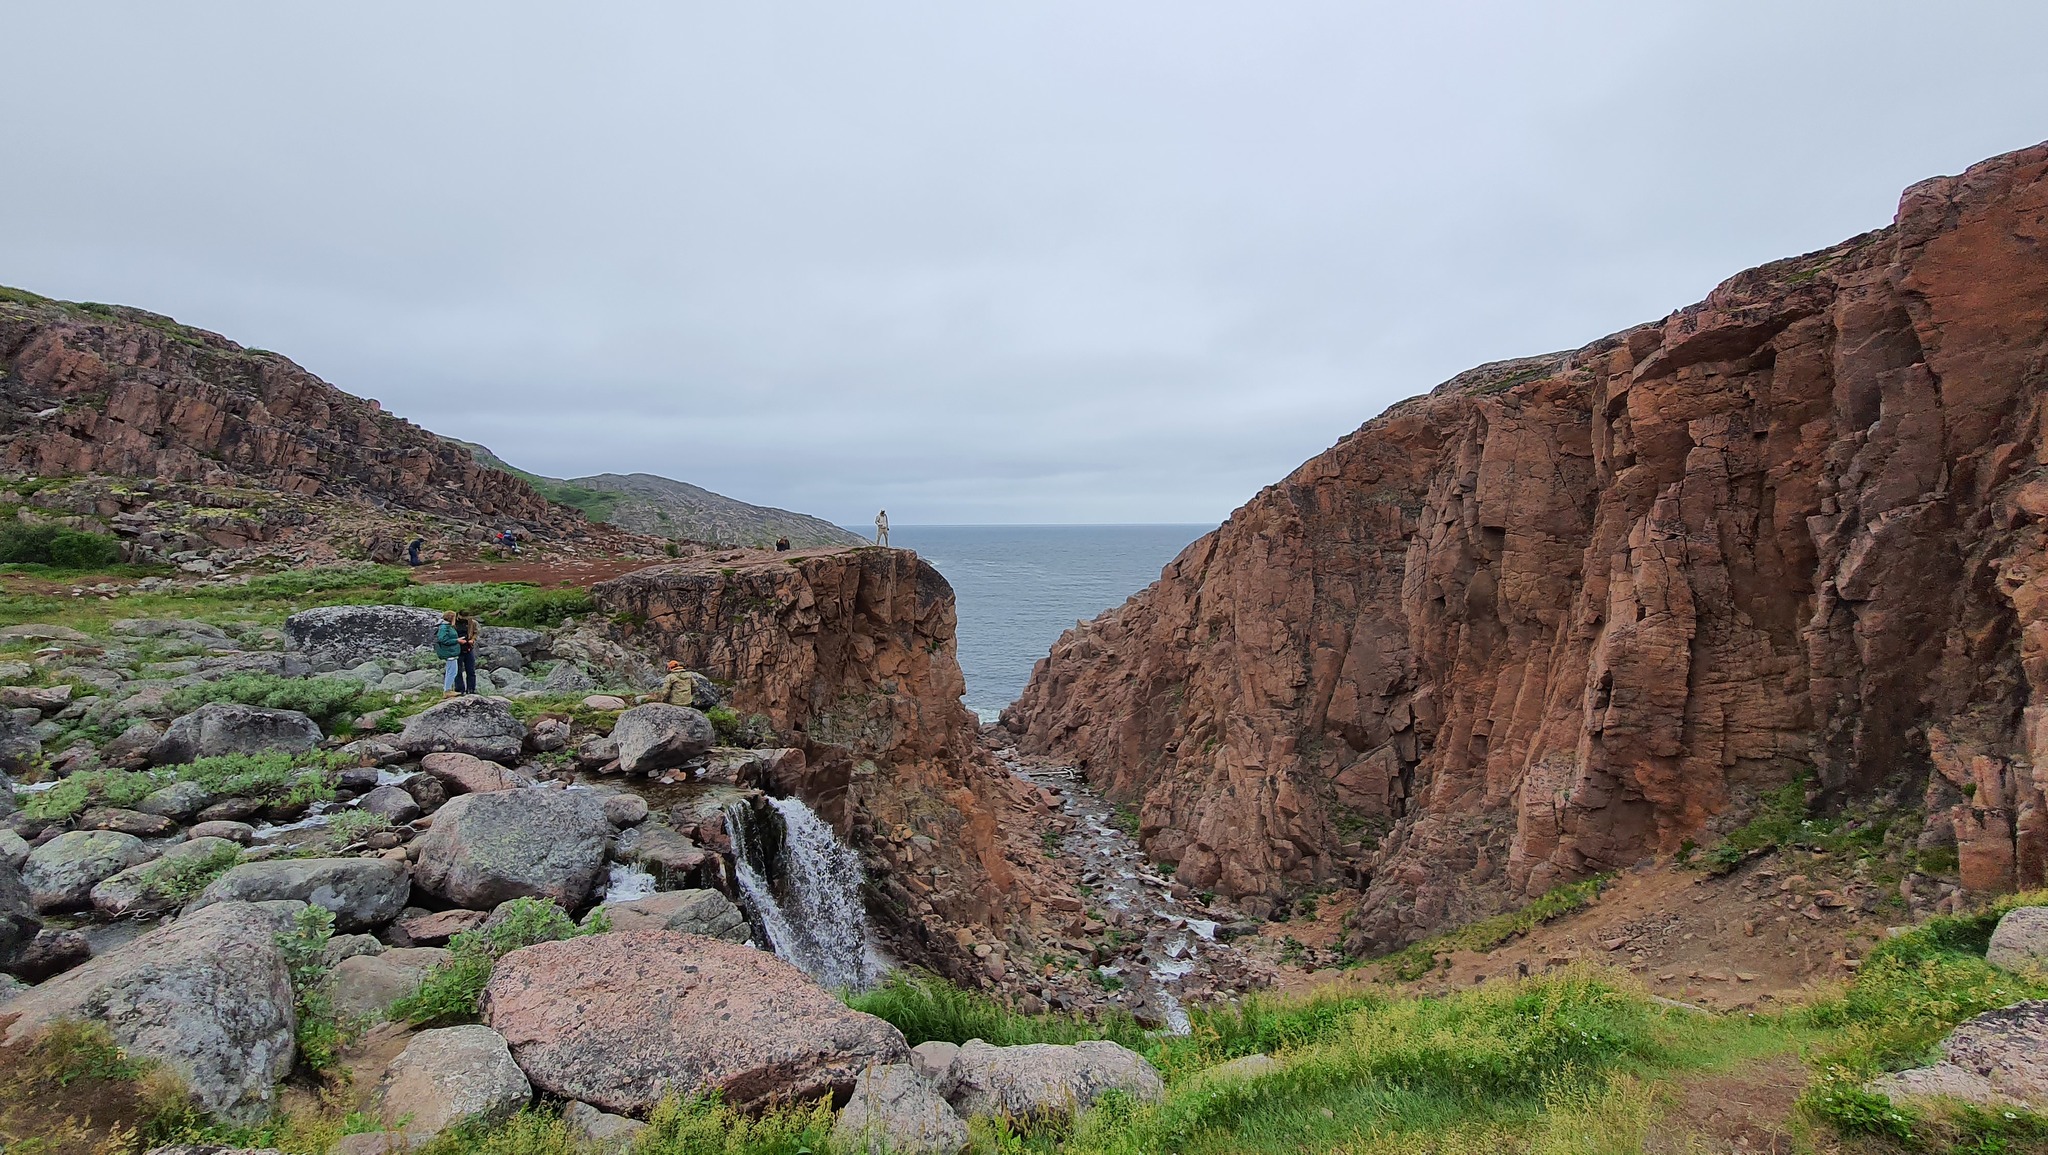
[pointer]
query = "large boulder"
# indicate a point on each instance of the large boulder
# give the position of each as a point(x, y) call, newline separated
point(704, 912)
point(469, 774)
point(342, 637)
point(658, 736)
point(2021, 940)
point(207, 995)
point(18, 921)
point(619, 1020)
point(485, 849)
point(362, 892)
point(475, 725)
point(1039, 1081)
point(1998, 1059)
point(19, 749)
point(443, 1077)
point(179, 801)
point(894, 1111)
point(62, 872)
point(231, 728)
point(390, 803)
point(673, 858)
point(365, 985)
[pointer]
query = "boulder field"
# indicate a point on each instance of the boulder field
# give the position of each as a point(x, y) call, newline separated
point(1568, 612)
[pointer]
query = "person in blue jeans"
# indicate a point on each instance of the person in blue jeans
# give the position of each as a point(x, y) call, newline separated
point(448, 648)
point(465, 657)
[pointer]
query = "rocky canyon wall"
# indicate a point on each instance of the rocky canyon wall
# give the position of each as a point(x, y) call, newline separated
point(1567, 612)
point(100, 389)
point(852, 655)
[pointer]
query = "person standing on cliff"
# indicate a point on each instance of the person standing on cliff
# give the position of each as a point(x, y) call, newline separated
point(412, 550)
point(882, 528)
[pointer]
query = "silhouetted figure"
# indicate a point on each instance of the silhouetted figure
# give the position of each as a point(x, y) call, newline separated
point(412, 550)
point(781, 545)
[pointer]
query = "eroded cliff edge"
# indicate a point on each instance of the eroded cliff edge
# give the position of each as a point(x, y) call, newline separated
point(851, 655)
point(1567, 612)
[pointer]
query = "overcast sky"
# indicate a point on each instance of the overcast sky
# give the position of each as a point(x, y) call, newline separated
point(971, 261)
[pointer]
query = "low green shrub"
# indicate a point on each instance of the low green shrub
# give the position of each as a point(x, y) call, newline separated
point(504, 603)
point(331, 702)
point(56, 546)
point(319, 1033)
point(450, 990)
point(276, 776)
point(184, 878)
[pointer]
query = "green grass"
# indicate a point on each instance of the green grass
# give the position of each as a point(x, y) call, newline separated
point(928, 1009)
point(1419, 958)
point(449, 991)
point(273, 597)
point(1908, 994)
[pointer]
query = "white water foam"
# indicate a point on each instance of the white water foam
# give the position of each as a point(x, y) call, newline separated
point(627, 882)
point(809, 900)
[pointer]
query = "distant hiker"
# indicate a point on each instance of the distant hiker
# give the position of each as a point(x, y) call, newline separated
point(679, 688)
point(882, 528)
point(412, 550)
point(506, 539)
point(465, 657)
point(781, 545)
point(448, 648)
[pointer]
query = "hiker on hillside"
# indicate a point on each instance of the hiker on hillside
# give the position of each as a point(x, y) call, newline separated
point(882, 528)
point(510, 542)
point(412, 550)
point(465, 634)
point(448, 647)
point(781, 545)
point(679, 688)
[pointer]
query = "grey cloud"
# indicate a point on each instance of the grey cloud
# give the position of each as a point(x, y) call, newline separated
point(986, 262)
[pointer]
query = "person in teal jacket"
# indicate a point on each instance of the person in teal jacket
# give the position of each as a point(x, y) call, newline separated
point(448, 647)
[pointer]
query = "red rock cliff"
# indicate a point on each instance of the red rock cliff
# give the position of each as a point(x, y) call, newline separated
point(853, 652)
point(1564, 613)
point(111, 390)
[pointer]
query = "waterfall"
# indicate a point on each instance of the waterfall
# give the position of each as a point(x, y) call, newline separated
point(807, 899)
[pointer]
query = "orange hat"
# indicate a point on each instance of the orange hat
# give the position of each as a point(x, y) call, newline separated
point(674, 665)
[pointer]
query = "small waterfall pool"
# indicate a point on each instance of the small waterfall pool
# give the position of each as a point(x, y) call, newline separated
point(805, 894)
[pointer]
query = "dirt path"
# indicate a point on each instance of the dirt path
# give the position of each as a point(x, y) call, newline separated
point(1747, 1110)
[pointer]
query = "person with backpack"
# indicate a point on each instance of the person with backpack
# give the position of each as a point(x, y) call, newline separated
point(412, 550)
point(465, 633)
point(448, 648)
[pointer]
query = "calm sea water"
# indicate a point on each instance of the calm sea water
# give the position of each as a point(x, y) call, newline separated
point(1021, 586)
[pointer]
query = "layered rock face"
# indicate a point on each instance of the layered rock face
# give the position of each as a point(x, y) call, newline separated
point(1567, 612)
point(853, 654)
point(118, 391)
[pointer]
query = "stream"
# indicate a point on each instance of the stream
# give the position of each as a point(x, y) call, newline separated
point(1168, 949)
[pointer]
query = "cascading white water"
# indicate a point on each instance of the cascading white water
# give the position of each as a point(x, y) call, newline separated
point(809, 904)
